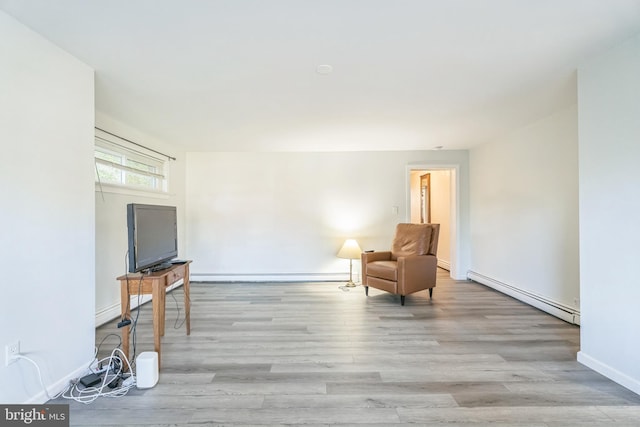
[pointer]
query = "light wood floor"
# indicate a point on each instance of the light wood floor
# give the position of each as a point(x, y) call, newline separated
point(314, 354)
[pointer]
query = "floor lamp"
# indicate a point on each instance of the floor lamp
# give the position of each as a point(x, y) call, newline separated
point(351, 251)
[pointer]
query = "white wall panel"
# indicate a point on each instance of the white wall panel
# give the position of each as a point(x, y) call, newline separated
point(46, 188)
point(609, 102)
point(111, 218)
point(269, 215)
point(524, 204)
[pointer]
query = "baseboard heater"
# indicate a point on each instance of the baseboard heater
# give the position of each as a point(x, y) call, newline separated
point(272, 277)
point(557, 309)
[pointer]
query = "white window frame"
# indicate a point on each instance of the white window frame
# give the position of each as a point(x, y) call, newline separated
point(125, 151)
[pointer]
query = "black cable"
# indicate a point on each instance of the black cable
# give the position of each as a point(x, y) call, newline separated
point(134, 328)
point(134, 322)
point(126, 276)
point(107, 336)
point(175, 324)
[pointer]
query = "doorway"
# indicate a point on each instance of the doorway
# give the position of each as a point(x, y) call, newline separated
point(432, 198)
point(425, 198)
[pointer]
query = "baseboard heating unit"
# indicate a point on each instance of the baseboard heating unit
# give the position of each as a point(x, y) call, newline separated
point(557, 309)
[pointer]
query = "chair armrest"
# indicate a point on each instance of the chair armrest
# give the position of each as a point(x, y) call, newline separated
point(368, 257)
point(375, 256)
point(416, 273)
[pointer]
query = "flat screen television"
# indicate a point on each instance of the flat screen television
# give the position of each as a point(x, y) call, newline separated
point(152, 235)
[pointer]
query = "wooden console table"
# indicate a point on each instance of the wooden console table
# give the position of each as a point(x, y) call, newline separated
point(156, 284)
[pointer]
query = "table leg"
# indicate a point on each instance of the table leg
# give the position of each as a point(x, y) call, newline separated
point(125, 311)
point(157, 302)
point(163, 312)
point(187, 299)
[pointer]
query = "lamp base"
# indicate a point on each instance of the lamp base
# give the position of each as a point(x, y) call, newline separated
point(350, 283)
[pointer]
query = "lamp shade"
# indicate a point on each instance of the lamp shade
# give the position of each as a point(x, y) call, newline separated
point(350, 250)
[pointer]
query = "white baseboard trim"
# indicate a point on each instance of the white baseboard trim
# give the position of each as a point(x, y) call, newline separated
point(557, 309)
point(112, 311)
point(609, 372)
point(55, 388)
point(446, 265)
point(273, 277)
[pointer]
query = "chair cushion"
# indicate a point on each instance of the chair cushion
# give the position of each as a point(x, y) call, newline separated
point(383, 269)
point(411, 239)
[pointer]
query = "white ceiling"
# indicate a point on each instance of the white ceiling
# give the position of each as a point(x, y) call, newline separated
point(238, 75)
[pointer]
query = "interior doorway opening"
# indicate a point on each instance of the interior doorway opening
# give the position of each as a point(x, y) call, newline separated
point(432, 199)
point(425, 198)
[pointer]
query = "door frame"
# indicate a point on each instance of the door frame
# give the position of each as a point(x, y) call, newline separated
point(454, 234)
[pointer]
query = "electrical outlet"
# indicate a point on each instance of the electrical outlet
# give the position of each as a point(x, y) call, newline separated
point(11, 350)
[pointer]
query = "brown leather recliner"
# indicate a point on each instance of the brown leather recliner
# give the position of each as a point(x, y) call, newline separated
point(409, 267)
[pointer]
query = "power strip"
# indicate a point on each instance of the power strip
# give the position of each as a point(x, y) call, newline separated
point(129, 381)
point(97, 370)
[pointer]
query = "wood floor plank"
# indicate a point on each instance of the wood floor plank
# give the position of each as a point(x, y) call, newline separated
point(318, 354)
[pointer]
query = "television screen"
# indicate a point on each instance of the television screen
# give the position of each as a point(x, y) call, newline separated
point(153, 235)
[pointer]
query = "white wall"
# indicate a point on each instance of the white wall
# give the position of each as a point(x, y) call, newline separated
point(261, 216)
point(111, 218)
point(524, 223)
point(46, 184)
point(609, 103)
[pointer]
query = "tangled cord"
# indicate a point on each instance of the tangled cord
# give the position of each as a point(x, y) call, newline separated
point(110, 386)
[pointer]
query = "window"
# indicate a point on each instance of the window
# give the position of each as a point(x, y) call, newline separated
point(119, 164)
